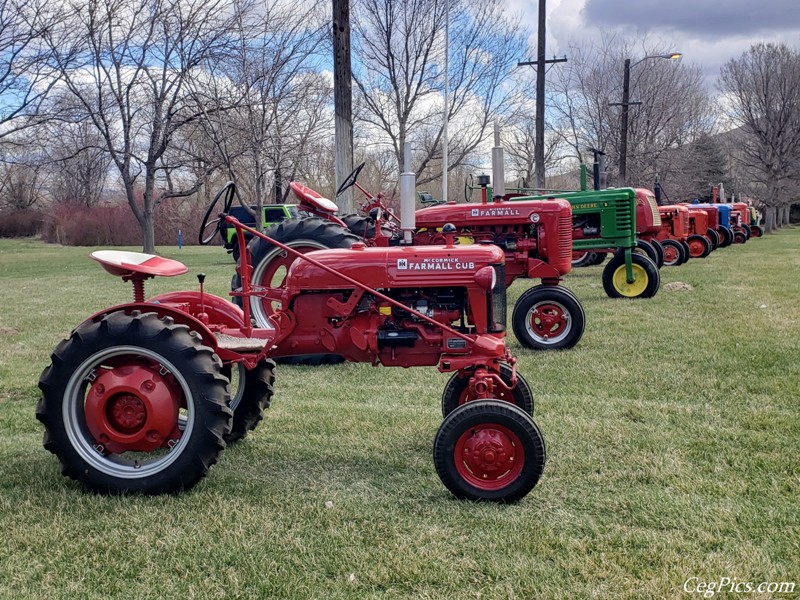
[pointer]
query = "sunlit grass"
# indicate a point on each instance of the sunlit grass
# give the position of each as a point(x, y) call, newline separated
point(672, 432)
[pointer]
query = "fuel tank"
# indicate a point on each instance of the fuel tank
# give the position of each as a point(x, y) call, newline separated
point(525, 212)
point(393, 267)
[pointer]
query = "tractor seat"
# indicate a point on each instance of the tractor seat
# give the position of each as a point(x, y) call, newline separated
point(306, 194)
point(130, 264)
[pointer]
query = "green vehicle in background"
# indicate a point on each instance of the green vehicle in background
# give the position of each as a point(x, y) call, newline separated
point(605, 221)
point(271, 214)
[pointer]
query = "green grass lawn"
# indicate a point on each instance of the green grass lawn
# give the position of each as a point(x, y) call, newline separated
point(673, 432)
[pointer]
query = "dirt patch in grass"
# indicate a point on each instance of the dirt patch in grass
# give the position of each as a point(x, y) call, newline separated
point(675, 286)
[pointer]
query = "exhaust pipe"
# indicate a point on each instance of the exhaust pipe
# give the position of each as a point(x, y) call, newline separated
point(408, 201)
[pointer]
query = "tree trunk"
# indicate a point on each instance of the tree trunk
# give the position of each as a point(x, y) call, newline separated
point(769, 219)
point(343, 100)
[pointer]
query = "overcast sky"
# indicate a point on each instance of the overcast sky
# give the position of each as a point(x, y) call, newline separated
point(707, 32)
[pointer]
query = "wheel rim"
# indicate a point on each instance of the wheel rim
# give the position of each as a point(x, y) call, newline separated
point(124, 410)
point(671, 254)
point(271, 273)
point(236, 374)
point(630, 290)
point(696, 248)
point(549, 322)
point(489, 456)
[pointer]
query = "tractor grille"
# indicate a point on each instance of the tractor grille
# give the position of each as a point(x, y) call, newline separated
point(625, 216)
point(498, 307)
point(562, 261)
point(651, 202)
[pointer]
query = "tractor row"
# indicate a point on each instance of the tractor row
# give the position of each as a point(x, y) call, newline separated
point(143, 397)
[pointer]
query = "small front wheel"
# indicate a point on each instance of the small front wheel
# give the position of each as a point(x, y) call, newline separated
point(546, 317)
point(456, 392)
point(673, 253)
point(646, 278)
point(699, 246)
point(489, 450)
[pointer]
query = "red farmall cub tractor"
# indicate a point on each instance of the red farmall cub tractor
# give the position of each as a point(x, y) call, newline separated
point(674, 233)
point(138, 398)
point(535, 237)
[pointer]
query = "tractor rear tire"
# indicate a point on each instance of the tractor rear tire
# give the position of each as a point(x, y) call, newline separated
point(134, 404)
point(252, 397)
point(699, 246)
point(713, 236)
point(659, 251)
point(643, 246)
point(584, 259)
point(646, 278)
point(489, 450)
point(270, 263)
point(363, 227)
point(547, 317)
point(599, 258)
point(456, 392)
point(687, 252)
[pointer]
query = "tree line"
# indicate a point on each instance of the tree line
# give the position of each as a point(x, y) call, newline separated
point(161, 101)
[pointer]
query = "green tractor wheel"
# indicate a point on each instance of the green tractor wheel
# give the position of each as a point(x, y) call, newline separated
point(646, 278)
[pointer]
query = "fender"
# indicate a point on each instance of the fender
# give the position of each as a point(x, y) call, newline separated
point(162, 310)
point(219, 310)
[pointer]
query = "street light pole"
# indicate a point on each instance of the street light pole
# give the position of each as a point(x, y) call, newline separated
point(626, 102)
point(623, 134)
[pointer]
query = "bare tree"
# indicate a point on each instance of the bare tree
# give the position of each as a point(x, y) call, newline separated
point(399, 52)
point(270, 99)
point(763, 90)
point(127, 63)
point(25, 76)
point(674, 111)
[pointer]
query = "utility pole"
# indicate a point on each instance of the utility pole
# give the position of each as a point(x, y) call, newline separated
point(541, 63)
point(343, 100)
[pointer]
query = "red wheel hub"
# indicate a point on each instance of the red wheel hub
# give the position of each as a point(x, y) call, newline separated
point(670, 253)
point(548, 320)
point(133, 408)
point(696, 248)
point(489, 456)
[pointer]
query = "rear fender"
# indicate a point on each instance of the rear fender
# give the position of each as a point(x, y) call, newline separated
point(162, 310)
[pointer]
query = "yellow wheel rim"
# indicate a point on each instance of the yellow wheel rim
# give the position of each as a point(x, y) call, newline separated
point(630, 290)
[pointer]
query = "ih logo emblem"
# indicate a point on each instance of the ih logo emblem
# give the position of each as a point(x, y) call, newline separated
point(402, 263)
point(475, 212)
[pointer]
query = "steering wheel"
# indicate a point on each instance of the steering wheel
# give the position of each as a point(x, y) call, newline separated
point(350, 180)
point(228, 191)
point(468, 183)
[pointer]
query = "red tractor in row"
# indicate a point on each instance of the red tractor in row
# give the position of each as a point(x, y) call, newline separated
point(534, 236)
point(139, 397)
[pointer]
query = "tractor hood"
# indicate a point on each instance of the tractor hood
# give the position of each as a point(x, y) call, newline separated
point(492, 213)
point(393, 267)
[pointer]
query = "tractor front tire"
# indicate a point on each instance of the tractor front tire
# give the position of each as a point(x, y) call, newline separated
point(456, 392)
point(134, 404)
point(646, 278)
point(547, 317)
point(699, 246)
point(673, 253)
point(726, 235)
point(489, 450)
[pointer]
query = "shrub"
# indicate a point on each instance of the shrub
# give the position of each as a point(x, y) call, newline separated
point(20, 223)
